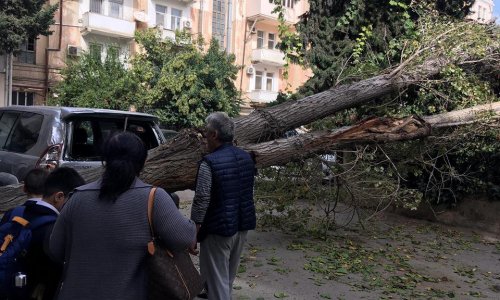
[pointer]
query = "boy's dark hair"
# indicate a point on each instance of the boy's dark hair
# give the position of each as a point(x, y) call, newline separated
point(64, 180)
point(34, 182)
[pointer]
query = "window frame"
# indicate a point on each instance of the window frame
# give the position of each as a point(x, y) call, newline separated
point(26, 96)
point(175, 20)
point(269, 40)
point(260, 39)
point(271, 78)
point(117, 4)
point(162, 14)
point(27, 55)
point(259, 75)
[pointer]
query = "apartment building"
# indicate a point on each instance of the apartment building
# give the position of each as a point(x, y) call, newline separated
point(482, 11)
point(246, 28)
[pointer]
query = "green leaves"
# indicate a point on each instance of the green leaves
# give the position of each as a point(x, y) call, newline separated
point(171, 79)
point(20, 20)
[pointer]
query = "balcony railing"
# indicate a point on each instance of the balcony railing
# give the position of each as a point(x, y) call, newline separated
point(262, 96)
point(107, 26)
point(268, 56)
point(262, 10)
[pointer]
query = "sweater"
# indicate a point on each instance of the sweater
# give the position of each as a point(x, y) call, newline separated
point(104, 243)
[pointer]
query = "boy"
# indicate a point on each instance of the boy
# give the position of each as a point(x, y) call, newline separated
point(42, 273)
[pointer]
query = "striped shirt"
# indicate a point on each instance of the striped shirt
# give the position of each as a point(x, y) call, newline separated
point(202, 193)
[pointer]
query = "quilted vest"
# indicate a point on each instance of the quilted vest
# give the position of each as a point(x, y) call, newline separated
point(231, 206)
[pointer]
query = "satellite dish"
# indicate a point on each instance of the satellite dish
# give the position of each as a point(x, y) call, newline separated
point(140, 16)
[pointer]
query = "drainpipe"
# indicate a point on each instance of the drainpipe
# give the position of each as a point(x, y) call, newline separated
point(243, 58)
point(8, 79)
point(229, 25)
point(9, 87)
point(53, 49)
point(200, 17)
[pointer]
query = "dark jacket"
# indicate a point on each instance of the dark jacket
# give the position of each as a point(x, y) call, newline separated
point(231, 206)
point(40, 269)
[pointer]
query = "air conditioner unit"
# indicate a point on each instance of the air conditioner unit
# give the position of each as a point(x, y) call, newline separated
point(187, 24)
point(250, 70)
point(74, 51)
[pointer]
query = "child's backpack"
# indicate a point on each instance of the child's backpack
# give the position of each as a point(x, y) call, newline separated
point(15, 238)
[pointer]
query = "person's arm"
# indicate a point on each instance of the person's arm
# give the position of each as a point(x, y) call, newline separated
point(176, 231)
point(58, 237)
point(202, 194)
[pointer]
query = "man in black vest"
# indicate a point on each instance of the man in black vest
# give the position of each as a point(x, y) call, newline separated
point(223, 207)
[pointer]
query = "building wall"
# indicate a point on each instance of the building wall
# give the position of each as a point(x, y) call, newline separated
point(482, 11)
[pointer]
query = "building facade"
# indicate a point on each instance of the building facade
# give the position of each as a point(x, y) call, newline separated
point(245, 28)
point(482, 11)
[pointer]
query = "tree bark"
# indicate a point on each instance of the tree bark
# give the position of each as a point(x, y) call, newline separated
point(174, 165)
point(269, 123)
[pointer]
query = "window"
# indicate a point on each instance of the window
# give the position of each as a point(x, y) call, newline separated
point(258, 80)
point(96, 51)
point(6, 123)
point(113, 52)
point(161, 12)
point(288, 3)
point(116, 8)
point(96, 6)
point(260, 39)
point(22, 98)
point(27, 52)
point(175, 19)
point(271, 41)
point(219, 20)
point(269, 81)
point(25, 133)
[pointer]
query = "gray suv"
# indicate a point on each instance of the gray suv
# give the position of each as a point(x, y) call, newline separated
point(48, 137)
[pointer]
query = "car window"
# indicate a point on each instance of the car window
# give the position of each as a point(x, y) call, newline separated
point(145, 131)
point(25, 133)
point(90, 132)
point(7, 121)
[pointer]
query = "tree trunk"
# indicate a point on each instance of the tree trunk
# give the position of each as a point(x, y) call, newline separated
point(174, 165)
point(270, 123)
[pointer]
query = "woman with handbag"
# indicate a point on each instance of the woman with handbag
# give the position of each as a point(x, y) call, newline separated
point(103, 231)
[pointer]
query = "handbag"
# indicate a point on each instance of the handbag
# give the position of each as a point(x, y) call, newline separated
point(172, 275)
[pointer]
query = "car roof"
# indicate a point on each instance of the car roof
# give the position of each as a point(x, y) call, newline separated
point(66, 112)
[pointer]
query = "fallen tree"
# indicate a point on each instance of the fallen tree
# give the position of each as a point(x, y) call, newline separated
point(174, 165)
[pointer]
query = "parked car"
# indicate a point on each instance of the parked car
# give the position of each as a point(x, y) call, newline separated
point(48, 137)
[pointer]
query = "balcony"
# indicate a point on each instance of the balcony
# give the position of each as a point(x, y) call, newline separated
point(107, 26)
point(269, 57)
point(261, 96)
point(261, 10)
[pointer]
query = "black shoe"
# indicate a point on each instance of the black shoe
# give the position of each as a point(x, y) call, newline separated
point(203, 295)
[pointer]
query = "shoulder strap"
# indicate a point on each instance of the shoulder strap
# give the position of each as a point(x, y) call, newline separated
point(151, 246)
point(18, 211)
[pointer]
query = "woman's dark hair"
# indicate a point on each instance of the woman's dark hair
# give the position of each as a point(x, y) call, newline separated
point(124, 156)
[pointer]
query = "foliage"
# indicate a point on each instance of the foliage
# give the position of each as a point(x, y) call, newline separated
point(345, 41)
point(172, 79)
point(184, 84)
point(93, 82)
point(20, 20)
